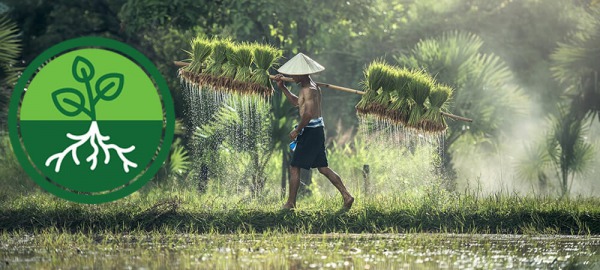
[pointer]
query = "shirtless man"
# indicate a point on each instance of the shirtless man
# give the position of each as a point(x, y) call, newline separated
point(309, 133)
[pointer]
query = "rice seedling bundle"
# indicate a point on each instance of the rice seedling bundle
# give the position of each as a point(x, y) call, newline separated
point(438, 98)
point(265, 57)
point(410, 98)
point(399, 108)
point(201, 50)
point(242, 59)
point(229, 67)
point(220, 70)
point(372, 83)
point(226, 66)
point(419, 88)
point(388, 84)
point(219, 56)
point(379, 84)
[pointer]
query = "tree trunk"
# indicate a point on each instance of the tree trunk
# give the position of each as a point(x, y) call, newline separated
point(565, 180)
point(543, 183)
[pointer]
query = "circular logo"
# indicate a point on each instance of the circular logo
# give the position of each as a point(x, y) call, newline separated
point(91, 120)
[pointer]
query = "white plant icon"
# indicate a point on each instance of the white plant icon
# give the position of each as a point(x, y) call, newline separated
point(71, 102)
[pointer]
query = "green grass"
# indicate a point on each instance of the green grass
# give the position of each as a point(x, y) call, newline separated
point(404, 195)
point(189, 212)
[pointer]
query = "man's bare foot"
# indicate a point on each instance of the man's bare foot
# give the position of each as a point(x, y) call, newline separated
point(348, 201)
point(288, 206)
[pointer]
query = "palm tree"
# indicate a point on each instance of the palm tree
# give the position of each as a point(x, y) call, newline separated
point(533, 165)
point(483, 86)
point(563, 151)
point(10, 48)
point(568, 151)
point(576, 65)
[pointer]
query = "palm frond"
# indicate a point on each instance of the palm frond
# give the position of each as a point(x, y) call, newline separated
point(581, 54)
point(533, 162)
point(455, 59)
point(10, 48)
point(179, 160)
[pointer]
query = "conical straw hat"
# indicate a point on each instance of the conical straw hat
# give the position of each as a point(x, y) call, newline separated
point(300, 65)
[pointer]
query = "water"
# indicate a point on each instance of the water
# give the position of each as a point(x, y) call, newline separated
point(230, 136)
point(375, 128)
point(400, 159)
point(291, 251)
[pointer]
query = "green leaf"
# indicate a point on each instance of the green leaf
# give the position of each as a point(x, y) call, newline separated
point(10, 49)
point(179, 161)
point(68, 101)
point(109, 86)
point(83, 70)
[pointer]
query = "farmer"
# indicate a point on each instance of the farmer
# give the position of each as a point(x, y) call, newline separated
point(308, 136)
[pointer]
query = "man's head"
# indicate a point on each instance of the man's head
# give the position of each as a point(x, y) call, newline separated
point(299, 78)
point(299, 67)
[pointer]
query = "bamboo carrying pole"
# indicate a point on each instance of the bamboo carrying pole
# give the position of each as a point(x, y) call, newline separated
point(340, 88)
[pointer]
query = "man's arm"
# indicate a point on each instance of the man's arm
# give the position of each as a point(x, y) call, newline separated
point(290, 96)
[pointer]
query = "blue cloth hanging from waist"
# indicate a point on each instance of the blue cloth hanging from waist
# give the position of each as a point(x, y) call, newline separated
point(317, 122)
point(314, 123)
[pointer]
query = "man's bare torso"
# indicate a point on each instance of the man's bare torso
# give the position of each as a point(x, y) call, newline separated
point(309, 100)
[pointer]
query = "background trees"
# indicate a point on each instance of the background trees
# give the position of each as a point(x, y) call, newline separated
point(507, 60)
point(9, 52)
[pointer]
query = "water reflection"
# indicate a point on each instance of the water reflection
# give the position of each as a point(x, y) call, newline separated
point(292, 251)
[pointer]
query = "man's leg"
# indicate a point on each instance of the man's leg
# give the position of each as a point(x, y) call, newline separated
point(294, 185)
point(336, 180)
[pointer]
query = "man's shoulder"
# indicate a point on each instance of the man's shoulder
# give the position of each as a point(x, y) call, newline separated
point(309, 88)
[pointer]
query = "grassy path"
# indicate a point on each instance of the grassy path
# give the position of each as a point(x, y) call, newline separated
point(189, 212)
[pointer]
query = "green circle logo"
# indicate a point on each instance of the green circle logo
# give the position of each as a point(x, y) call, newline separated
point(91, 120)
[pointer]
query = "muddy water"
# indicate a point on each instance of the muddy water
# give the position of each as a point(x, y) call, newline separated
point(293, 251)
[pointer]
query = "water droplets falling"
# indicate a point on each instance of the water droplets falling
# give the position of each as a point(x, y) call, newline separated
point(230, 135)
point(375, 128)
point(401, 159)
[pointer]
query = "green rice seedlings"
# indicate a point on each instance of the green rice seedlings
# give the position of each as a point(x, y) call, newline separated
point(218, 56)
point(242, 59)
point(229, 68)
point(201, 50)
point(219, 70)
point(365, 102)
point(419, 88)
point(374, 75)
point(372, 83)
point(265, 57)
point(387, 81)
point(438, 99)
point(399, 108)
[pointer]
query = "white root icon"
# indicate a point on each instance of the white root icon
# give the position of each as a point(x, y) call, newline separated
point(71, 102)
point(96, 139)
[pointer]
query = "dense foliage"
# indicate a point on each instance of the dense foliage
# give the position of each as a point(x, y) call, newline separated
point(506, 60)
